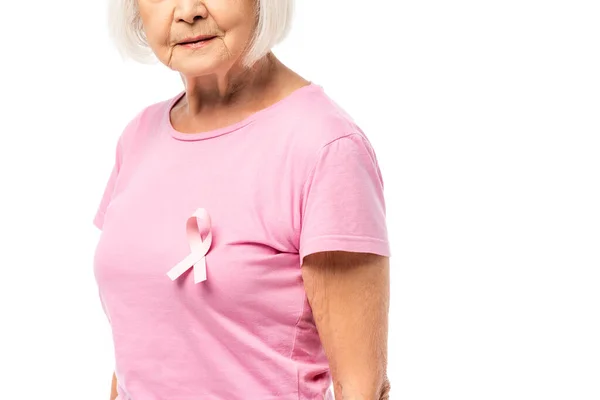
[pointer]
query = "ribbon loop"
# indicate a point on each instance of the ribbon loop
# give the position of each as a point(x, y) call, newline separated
point(197, 224)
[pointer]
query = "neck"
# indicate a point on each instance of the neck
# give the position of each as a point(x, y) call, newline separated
point(237, 86)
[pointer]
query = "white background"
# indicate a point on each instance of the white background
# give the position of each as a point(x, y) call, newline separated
point(485, 116)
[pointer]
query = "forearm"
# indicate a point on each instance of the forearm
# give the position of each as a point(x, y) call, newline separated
point(349, 296)
point(113, 389)
point(357, 351)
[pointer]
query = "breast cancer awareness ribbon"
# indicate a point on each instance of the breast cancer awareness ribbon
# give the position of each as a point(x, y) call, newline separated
point(197, 224)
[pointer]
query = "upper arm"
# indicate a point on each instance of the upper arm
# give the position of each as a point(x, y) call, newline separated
point(343, 206)
point(349, 297)
point(340, 273)
point(109, 186)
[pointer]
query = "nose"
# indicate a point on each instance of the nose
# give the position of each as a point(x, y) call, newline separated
point(190, 11)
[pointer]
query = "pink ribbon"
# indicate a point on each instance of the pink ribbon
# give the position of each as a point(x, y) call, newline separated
point(197, 224)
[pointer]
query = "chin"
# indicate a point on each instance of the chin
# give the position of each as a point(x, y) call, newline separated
point(198, 65)
point(200, 62)
point(192, 69)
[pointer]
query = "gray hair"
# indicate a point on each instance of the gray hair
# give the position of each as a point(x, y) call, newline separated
point(125, 27)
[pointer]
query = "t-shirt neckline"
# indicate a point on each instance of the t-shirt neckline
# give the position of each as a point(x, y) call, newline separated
point(230, 128)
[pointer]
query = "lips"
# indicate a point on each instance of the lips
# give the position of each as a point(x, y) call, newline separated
point(197, 39)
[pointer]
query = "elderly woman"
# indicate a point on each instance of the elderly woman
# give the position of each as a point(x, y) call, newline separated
point(244, 250)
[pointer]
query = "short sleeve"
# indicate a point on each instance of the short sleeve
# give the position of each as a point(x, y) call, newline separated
point(109, 188)
point(343, 201)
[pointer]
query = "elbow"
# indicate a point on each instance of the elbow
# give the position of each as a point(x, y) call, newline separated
point(350, 391)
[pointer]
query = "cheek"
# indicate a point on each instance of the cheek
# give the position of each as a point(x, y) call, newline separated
point(235, 18)
point(157, 17)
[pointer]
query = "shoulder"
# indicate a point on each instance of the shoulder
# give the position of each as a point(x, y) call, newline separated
point(314, 122)
point(319, 120)
point(142, 122)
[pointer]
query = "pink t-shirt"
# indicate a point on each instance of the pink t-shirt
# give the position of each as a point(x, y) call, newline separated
point(203, 235)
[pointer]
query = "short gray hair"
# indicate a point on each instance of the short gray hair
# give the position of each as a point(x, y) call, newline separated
point(274, 18)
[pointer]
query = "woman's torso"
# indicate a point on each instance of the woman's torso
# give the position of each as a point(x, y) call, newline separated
point(247, 331)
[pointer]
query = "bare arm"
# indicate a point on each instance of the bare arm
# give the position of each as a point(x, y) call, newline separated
point(349, 297)
point(113, 389)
